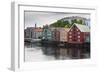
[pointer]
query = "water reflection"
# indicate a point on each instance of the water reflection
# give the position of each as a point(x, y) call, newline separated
point(39, 52)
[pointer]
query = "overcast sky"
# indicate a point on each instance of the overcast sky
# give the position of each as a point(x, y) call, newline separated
point(42, 18)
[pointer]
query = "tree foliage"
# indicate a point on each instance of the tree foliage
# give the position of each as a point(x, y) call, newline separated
point(67, 24)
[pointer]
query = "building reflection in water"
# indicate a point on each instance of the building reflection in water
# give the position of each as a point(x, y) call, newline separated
point(59, 53)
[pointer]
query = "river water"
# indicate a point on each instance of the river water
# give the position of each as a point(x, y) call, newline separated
point(35, 52)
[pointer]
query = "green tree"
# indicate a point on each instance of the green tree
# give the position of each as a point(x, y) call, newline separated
point(74, 21)
point(80, 21)
point(67, 24)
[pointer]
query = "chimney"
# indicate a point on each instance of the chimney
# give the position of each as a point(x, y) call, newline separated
point(35, 25)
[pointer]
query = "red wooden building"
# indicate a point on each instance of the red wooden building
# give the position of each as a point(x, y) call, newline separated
point(78, 33)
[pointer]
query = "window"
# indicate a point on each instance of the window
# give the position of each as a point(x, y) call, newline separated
point(70, 36)
point(78, 36)
point(70, 39)
point(78, 32)
point(78, 40)
point(70, 32)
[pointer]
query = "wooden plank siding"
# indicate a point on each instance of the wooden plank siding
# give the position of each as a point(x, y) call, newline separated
point(75, 35)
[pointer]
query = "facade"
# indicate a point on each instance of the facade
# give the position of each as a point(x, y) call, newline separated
point(47, 33)
point(33, 33)
point(87, 37)
point(63, 34)
point(37, 33)
point(79, 34)
point(60, 34)
point(28, 32)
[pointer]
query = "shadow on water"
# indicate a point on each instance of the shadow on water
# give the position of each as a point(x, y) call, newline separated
point(62, 52)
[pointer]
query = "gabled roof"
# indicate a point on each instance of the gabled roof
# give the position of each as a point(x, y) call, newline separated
point(82, 28)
